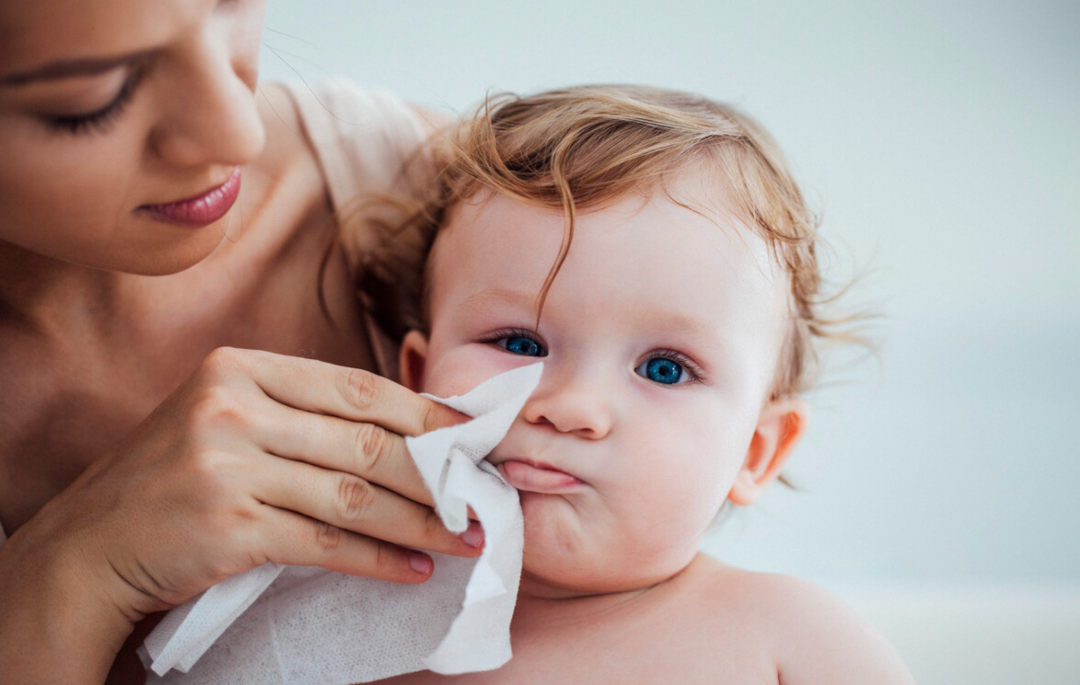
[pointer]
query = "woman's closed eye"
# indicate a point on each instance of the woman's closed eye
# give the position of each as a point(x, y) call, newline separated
point(98, 120)
point(519, 342)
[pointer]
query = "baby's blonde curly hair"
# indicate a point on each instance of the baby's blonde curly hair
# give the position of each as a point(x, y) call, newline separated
point(582, 148)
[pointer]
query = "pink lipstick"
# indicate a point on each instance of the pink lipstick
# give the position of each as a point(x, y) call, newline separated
point(201, 210)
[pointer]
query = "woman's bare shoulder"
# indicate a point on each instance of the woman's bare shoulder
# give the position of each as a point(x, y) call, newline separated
point(815, 636)
point(287, 144)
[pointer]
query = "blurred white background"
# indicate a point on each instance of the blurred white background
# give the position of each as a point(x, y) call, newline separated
point(939, 491)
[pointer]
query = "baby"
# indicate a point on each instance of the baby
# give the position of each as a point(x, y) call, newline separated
point(651, 248)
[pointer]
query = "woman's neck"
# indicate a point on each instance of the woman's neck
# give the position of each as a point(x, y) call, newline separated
point(45, 296)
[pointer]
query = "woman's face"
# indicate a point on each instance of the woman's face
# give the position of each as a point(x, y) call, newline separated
point(122, 124)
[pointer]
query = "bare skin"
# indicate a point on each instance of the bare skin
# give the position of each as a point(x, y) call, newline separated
point(145, 452)
point(71, 395)
point(709, 623)
point(620, 471)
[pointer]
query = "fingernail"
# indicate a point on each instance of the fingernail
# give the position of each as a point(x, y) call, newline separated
point(473, 535)
point(420, 563)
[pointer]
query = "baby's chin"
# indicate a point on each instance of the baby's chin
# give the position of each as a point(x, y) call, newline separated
point(561, 562)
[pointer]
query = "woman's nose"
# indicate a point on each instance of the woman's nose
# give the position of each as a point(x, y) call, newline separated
point(214, 119)
point(581, 406)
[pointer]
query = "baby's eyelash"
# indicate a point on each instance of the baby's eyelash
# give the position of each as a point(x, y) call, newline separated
point(497, 335)
point(102, 119)
point(696, 374)
point(504, 332)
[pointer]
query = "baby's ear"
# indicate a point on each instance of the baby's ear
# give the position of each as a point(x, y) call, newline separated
point(780, 427)
point(411, 362)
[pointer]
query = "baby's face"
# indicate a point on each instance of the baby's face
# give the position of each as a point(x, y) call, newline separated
point(660, 337)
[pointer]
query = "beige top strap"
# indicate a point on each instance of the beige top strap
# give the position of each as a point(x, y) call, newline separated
point(363, 138)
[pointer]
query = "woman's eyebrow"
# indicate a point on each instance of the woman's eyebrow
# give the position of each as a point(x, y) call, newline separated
point(87, 66)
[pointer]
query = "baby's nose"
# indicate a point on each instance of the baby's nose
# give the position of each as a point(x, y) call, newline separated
point(577, 405)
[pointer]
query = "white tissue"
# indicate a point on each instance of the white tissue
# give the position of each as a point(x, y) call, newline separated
point(295, 624)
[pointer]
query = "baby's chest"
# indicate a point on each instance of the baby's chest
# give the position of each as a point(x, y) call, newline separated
point(629, 654)
point(649, 654)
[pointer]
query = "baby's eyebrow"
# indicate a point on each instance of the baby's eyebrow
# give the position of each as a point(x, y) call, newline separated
point(485, 299)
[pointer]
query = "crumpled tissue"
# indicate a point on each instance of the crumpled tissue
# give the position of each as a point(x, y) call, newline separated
point(295, 624)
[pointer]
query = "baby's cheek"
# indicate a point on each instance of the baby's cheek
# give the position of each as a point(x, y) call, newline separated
point(458, 370)
point(681, 497)
point(649, 534)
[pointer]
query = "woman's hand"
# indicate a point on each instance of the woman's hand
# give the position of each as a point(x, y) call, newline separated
point(261, 457)
point(258, 457)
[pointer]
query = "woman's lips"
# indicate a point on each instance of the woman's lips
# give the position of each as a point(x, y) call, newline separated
point(200, 210)
point(534, 477)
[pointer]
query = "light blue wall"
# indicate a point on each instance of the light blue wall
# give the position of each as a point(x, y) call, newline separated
point(941, 141)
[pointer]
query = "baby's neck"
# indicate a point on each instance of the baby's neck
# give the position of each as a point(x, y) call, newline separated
point(539, 620)
point(543, 607)
point(573, 638)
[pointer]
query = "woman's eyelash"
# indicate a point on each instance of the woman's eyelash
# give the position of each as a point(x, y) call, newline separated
point(100, 120)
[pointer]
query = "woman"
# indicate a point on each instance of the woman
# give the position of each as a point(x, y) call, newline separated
point(142, 460)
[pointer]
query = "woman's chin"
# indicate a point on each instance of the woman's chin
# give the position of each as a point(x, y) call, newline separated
point(162, 260)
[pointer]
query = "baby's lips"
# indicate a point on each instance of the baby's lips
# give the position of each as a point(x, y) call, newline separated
point(540, 478)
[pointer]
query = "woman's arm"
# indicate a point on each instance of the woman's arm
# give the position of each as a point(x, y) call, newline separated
point(57, 623)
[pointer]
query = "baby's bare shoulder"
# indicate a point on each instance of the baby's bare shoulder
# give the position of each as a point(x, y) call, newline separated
point(812, 636)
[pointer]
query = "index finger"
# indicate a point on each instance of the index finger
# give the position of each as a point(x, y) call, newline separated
point(353, 394)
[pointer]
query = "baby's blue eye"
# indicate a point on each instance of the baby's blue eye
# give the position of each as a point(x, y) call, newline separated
point(662, 370)
point(523, 345)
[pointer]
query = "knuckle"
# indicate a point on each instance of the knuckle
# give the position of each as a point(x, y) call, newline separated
point(355, 498)
point(430, 419)
point(327, 537)
point(245, 513)
point(359, 388)
point(386, 557)
point(216, 407)
point(206, 464)
point(372, 446)
point(222, 360)
point(231, 528)
point(204, 490)
point(209, 468)
point(433, 526)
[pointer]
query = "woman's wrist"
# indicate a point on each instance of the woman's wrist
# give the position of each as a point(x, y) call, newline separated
point(60, 620)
